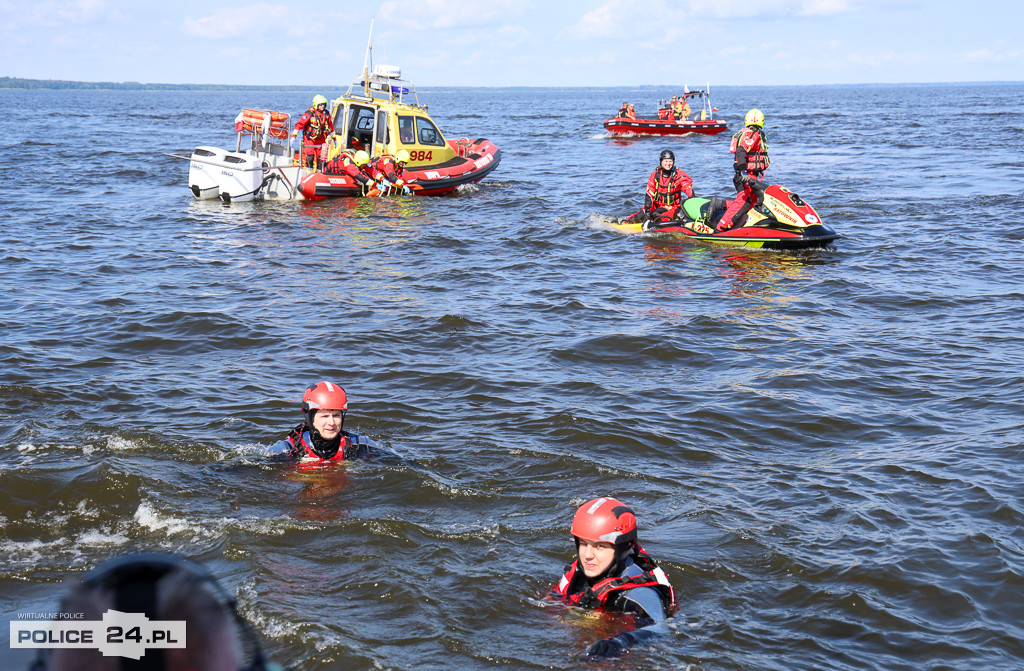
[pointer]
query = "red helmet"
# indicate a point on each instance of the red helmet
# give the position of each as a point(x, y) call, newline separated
point(324, 396)
point(605, 519)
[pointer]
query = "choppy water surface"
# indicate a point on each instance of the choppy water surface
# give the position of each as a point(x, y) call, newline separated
point(824, 448)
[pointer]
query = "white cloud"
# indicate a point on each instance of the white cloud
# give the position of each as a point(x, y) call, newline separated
point(824, 7)
point(241, 21)
point(605, 21)
point(19, 15)
point(992, 56)
point(450, 13)
point(612, 17)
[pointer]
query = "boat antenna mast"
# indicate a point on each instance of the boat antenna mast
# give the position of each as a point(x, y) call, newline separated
point(368, 61)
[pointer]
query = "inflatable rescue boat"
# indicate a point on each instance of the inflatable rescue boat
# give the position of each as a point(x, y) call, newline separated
point(666, 124)
point(375, 115)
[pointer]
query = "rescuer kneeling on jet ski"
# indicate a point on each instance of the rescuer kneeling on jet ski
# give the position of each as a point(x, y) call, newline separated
point(667, 188)
point(320, 436)
point(614, 574)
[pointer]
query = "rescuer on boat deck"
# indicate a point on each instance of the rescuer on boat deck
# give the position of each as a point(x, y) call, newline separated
point(623, 111)
point(751, 149)
point(667, 188)
point(321, 436)
point(612, 573)
point(316, 125)
point(680, 108)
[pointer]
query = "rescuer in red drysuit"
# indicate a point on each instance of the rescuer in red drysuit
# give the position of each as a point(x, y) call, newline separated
point(316, 125)
point(667, 188)
point(389, 171)
point(350, 163)
point(612, 573)
point(321, 436)
point(750, 147)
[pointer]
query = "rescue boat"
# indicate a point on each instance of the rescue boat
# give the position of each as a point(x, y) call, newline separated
point(375, 115)
point(380, 113)
point(782, 221)
point(700, 122)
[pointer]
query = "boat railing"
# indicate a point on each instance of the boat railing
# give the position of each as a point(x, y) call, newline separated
point(270, 137)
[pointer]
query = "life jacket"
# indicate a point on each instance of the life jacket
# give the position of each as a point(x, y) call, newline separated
point(385, 167)
point(624, 111)
point(302, 445)
point(667, 192)
point(573, 587)
point(345, 164)
point(315, 125)
point(757, 153)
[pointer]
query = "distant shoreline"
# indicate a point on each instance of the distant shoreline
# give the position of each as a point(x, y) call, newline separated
point(61, 84)
point(18, 83)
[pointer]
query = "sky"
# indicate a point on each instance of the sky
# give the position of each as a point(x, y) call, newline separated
point(502, 43)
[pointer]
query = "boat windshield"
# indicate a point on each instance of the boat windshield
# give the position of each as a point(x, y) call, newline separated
point(427, 132)
point(419, 130)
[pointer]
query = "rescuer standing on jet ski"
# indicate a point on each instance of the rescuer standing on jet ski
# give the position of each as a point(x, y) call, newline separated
point(612, 573)
point(751, 149)
point(667, 188)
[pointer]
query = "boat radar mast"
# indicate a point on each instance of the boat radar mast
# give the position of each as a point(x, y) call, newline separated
point(383, 82)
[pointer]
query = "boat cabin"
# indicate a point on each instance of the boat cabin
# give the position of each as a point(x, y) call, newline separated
point(374, 117)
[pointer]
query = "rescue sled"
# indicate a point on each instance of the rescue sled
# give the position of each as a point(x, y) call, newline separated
point(665, 124)
point(374, 115)
point(782, 221)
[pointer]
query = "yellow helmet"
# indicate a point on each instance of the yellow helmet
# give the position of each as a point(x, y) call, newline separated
point(319, 100)
point(755, 117)
point(361, 158)
point(402, 156)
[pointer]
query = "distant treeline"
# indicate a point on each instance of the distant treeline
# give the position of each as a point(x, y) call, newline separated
point(58, 84)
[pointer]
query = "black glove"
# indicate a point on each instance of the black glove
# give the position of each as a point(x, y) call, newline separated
point(607, 647)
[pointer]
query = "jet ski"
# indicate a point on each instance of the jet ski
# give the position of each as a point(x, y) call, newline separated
point(783, 220)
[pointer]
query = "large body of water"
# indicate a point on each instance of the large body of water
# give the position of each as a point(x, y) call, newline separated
point(825, 449)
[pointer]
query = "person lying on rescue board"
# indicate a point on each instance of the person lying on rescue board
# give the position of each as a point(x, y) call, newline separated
point(613, 574)
point(321, 436)
point(667, 188)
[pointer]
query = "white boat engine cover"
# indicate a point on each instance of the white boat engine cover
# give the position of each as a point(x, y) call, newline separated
point(240, 177)
point(202, 173)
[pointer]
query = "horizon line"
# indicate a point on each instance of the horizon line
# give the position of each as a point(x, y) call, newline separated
point(5, 82)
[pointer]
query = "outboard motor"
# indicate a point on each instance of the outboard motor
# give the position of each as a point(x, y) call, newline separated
point(241, 177)
point(203, 170)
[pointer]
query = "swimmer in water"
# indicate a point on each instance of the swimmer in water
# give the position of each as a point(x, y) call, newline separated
point(613, 573)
